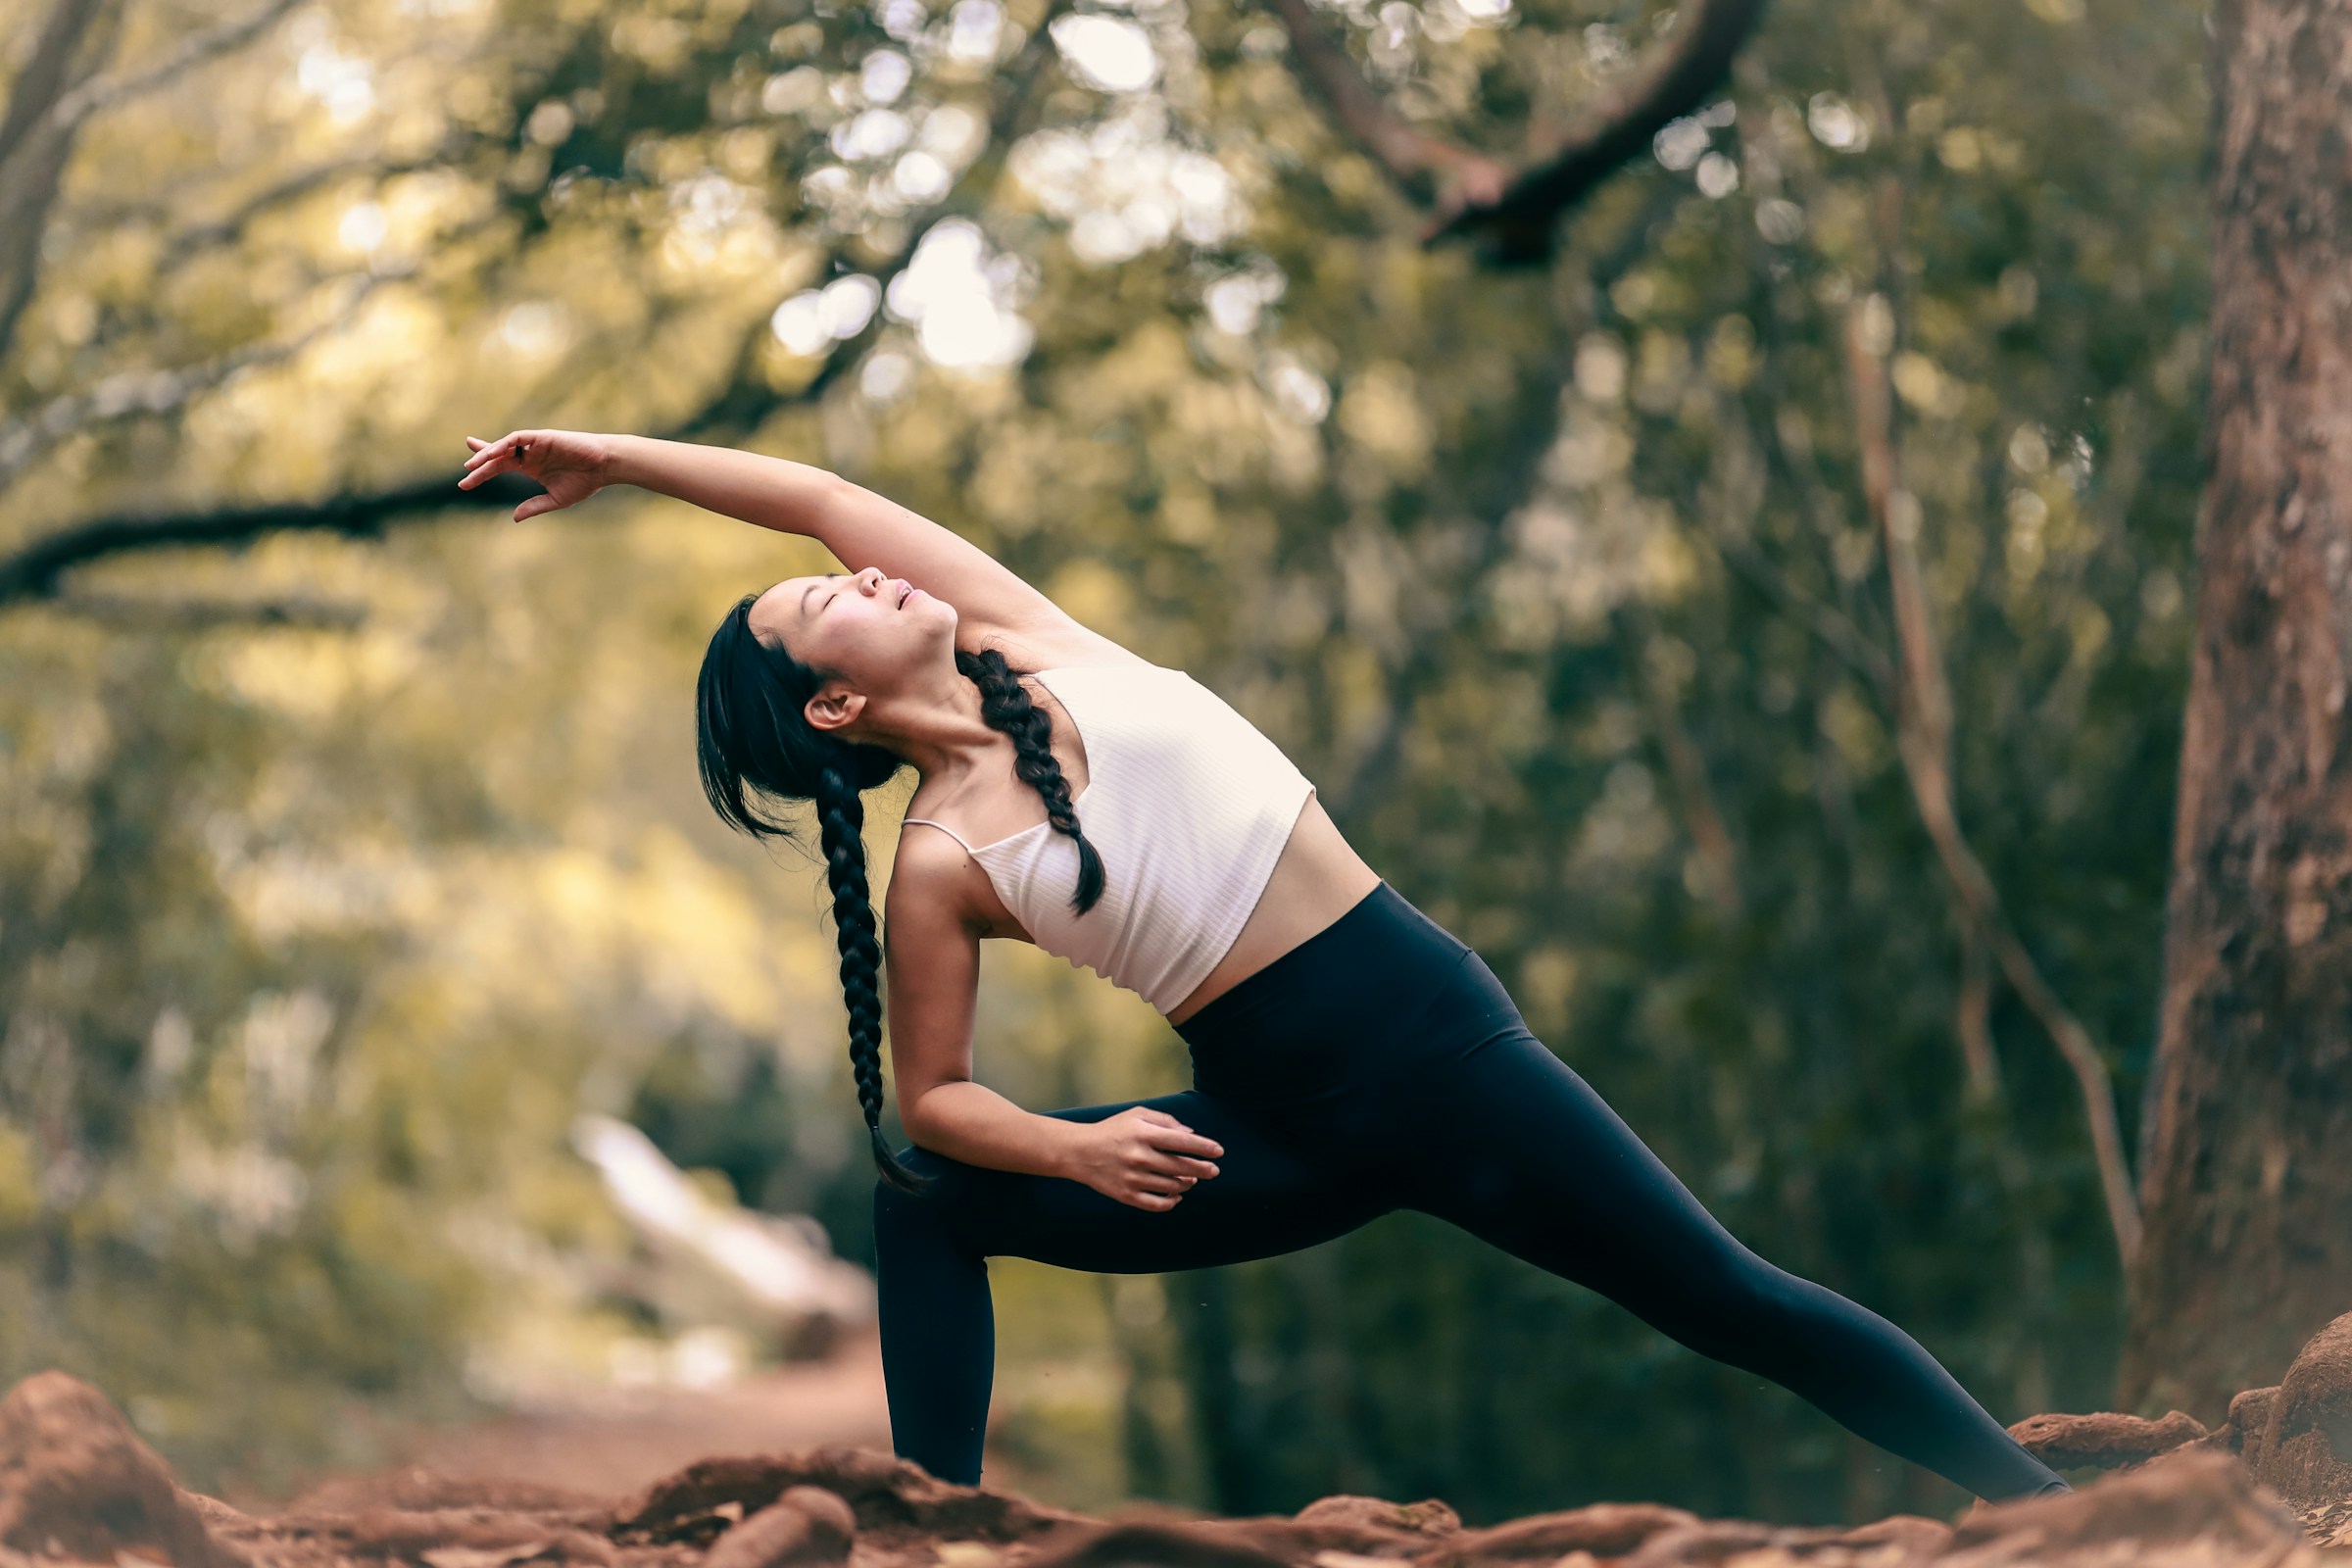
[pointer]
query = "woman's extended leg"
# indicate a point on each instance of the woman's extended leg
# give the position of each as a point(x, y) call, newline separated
point(938, 1325)
point(1513, 1145)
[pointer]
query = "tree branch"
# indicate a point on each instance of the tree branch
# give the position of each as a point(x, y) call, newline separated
point(1431, 170)
point(49, 74)
point(1465, 192)
point(45, 115)
point(137, 392)
point(138, 612)
point(34, 148)
point(1923, 730)
point(1621, 122)
point(36, 570)
point(231, 228)
point(113, 87)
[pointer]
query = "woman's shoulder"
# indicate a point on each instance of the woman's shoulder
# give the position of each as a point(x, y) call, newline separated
point(1075, 646)
point(939, 891)
point(929, 872)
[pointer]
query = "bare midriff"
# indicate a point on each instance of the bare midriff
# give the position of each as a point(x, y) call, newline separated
point(1318, 878)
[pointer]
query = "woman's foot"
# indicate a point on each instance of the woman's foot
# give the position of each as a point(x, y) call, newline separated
point(1982, 1504)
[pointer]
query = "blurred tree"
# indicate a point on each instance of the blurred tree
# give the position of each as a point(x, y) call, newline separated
point(2250, 1109)
point(1471, 193)
point(1590, 596)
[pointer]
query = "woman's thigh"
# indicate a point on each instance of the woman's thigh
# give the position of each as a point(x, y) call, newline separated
point(1517, 1149)
point(1263, 1200)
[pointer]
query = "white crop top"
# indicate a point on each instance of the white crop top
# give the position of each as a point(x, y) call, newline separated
point(1189, 806)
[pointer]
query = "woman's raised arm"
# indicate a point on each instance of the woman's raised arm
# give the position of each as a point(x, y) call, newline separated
point(573, 465)
point(861, 528)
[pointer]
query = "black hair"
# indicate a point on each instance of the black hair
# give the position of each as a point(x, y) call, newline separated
point(753, 741)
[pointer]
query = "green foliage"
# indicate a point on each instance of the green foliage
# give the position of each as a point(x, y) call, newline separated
point(1559, 585)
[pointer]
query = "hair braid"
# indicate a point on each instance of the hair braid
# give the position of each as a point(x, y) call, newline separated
point(1005, 706)
point(755, 748)
point(841, 817)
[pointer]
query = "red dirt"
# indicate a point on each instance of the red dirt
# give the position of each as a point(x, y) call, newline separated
point(617, 1440)
point(2273, 1487)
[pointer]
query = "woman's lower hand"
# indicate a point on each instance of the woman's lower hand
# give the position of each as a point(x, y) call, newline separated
point(1143, 1158)
point(570, 465)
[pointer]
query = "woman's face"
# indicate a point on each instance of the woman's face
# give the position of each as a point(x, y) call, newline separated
point(878, 632)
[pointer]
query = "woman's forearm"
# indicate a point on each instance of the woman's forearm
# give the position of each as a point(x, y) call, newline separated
point(966, 1121)
point(772, 492)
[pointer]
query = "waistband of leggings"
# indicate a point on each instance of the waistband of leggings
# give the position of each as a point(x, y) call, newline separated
point(1381, 930)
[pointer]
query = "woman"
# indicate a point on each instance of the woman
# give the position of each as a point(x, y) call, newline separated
point(1349, 1055)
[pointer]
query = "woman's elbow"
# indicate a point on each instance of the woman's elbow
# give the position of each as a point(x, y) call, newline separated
point(918, 1114)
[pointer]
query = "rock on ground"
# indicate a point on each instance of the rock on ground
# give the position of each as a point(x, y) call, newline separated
point(75, 1482)
point(2271, 1487)
point(2294, 1439)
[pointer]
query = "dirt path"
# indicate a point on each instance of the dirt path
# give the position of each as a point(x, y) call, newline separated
point(615, 1440)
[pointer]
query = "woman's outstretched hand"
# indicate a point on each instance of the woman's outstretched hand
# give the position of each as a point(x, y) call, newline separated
point(570, 465)
point(1143, 1158)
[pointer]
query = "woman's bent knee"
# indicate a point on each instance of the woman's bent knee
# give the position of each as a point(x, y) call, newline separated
point(899, 1213)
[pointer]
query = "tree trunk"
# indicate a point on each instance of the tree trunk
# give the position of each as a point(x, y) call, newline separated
point(2247, 1180)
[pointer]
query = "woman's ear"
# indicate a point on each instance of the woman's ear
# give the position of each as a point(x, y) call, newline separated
point(834, 705)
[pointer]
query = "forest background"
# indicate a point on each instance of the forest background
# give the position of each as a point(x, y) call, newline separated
point(340, 872)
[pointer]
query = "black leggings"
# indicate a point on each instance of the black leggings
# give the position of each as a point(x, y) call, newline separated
point(1381, 1065)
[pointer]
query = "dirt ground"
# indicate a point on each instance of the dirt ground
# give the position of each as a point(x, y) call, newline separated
point(620, 1439)
point(757, 1477)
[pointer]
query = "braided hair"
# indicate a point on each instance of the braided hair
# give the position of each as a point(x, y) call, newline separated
point(753, 741)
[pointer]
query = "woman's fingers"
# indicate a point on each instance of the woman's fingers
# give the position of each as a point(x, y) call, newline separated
point(1166, 1161)
point(1174, 1164)
point(512, 444)
point(1165, 1131)
point(494, 459)
point(485, 464)
point(1184, 1141)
